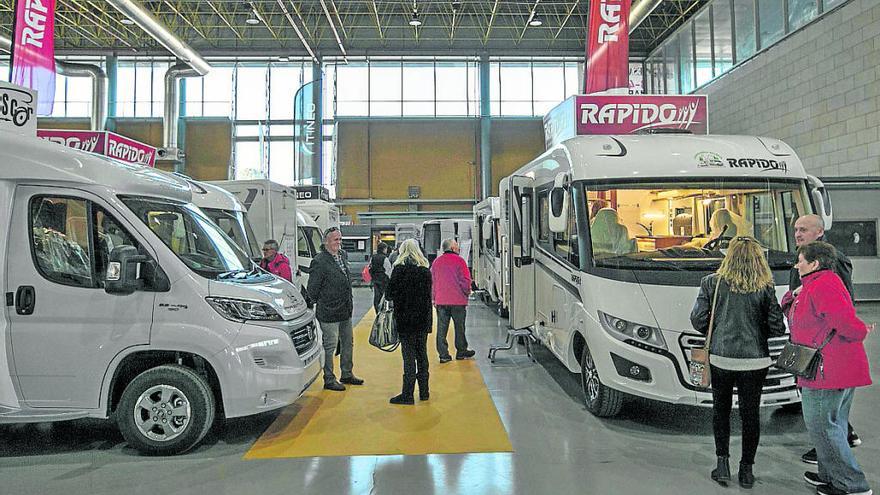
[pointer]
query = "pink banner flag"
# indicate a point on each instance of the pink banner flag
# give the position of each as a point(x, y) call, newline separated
point(607, 64)
point(33, 50)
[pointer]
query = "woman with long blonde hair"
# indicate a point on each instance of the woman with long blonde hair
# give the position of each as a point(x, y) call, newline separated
point(747, 314)
point(410, 290)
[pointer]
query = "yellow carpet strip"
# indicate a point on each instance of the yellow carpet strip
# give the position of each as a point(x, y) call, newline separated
point(460, 416)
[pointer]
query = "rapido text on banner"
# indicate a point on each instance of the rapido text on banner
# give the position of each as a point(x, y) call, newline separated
point(33, 50)
point(607, 55)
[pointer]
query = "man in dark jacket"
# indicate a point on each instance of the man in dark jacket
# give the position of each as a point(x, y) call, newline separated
point(330, 288)
point(807, 229)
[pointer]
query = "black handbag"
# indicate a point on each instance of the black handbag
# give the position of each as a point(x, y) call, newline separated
point(803, 360)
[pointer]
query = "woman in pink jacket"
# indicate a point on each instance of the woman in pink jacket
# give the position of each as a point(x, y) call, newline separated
point(820, 307)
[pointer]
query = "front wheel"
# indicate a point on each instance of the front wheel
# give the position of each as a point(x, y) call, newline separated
point(166, 410)
point(600, 400)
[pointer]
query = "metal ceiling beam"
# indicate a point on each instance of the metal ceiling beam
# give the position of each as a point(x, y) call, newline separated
point(298, 32)
point(223, 18)
point(491, 22)
point(333, 27)
point(640, 11)
point(185, 19)
point(378, 24)
point(531, 16)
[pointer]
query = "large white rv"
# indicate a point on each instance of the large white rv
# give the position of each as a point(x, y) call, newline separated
point(487, 251)
point(609, 237)
point(308, 245)
point(315, 200)
point(434, 231)
point(222, 207)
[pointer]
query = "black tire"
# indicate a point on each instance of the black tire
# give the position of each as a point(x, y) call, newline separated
point(166, 389)
point(792, 408)
point(599, 399)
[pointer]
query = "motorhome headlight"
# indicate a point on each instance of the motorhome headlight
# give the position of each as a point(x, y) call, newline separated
point(632, 333)
point(241, 310)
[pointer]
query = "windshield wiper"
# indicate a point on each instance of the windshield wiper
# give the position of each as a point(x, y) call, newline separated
point(231, 274)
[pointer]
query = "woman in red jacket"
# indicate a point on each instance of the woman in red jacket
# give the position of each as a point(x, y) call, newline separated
point(820, 307)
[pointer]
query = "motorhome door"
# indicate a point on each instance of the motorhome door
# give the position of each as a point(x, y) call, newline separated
point(519, 200)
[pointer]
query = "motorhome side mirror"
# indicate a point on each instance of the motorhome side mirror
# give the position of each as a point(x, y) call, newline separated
point(123, 271)
point(559, 204)
point(822, 200)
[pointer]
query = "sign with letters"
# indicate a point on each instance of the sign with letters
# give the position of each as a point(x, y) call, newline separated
point(18, 109)
point(312, 192)
point(103, 143)
point(33, 50)
point(625, 114)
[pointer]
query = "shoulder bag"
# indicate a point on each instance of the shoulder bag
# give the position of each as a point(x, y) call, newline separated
point(384, 335)
point(699, 364)
point(803, 360)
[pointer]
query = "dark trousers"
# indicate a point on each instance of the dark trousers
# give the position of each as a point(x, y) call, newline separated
point(749, 385)
point(414, 348)
point(458, 314)
point(378, 292)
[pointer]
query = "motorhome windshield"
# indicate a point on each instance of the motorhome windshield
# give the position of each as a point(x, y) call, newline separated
point(236, 226)
point(195, 239)
point(674, 224)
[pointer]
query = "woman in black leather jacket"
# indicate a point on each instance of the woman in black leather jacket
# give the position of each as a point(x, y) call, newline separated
point(747, 314)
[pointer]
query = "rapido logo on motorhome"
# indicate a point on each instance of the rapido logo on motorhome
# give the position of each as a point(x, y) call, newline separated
point(708, 159)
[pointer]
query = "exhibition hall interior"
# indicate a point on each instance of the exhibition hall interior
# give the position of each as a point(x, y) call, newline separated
point(446, 247)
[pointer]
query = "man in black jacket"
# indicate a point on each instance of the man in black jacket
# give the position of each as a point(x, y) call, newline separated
point(330, 288)
point(380, 273)
point(807, 229)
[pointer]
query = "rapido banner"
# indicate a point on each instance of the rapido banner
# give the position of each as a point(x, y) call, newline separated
point(607, 46)
point(33, 50)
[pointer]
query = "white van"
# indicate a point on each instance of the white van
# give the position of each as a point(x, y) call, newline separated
point(271, 209)
point(487, 252)
point(404, 231)
point(124, 300)
point(609, 237)
point(227, 212)
point(315, 201)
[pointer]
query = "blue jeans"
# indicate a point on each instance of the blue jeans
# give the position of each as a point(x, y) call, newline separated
point(826, 413)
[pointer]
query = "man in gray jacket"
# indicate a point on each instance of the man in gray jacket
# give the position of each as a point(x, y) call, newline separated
point(807, 229)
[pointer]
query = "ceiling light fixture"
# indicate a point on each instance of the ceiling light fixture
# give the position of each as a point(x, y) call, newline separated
point(456, 6)
point(127, 21)
point(414, 20)
point(252, 19)
point(535, 21)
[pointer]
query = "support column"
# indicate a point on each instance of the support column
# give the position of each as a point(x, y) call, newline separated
point(485, 130)
point(180, 165)
point(112, 77)
point(318, 99)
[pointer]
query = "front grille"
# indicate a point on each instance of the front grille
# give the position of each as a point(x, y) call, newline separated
point(776, 381)
point(304, 338)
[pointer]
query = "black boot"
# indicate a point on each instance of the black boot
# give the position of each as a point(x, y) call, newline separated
point(746, 478)
point(721, 474)
point(406, 393)
point(424, 393)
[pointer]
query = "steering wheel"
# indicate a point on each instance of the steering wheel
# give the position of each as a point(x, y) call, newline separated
point(716, 242)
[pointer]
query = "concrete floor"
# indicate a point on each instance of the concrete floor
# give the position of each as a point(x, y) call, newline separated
point(559, 447)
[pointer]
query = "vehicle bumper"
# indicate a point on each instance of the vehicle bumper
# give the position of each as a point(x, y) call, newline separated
point(669, 376)
point(264, 370)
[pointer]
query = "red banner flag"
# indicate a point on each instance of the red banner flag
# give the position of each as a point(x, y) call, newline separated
point(607, 64)
point(33, 50)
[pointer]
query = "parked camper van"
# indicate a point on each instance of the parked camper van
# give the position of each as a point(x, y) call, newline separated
point(271, 209)
point(487, 256)
point(323, 213)
point(434, 231)
point(404, 231)
point(308, 244)
point(227, 212)
point(609, 237)
point(124, 300)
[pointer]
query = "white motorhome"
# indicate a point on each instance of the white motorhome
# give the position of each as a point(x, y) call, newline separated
point(222, 207)
point(308, 245)
point(272, 210)
point(315, 200)
point(434, 231)
point(487, 251)
point(609, 237)
point(124, 300)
